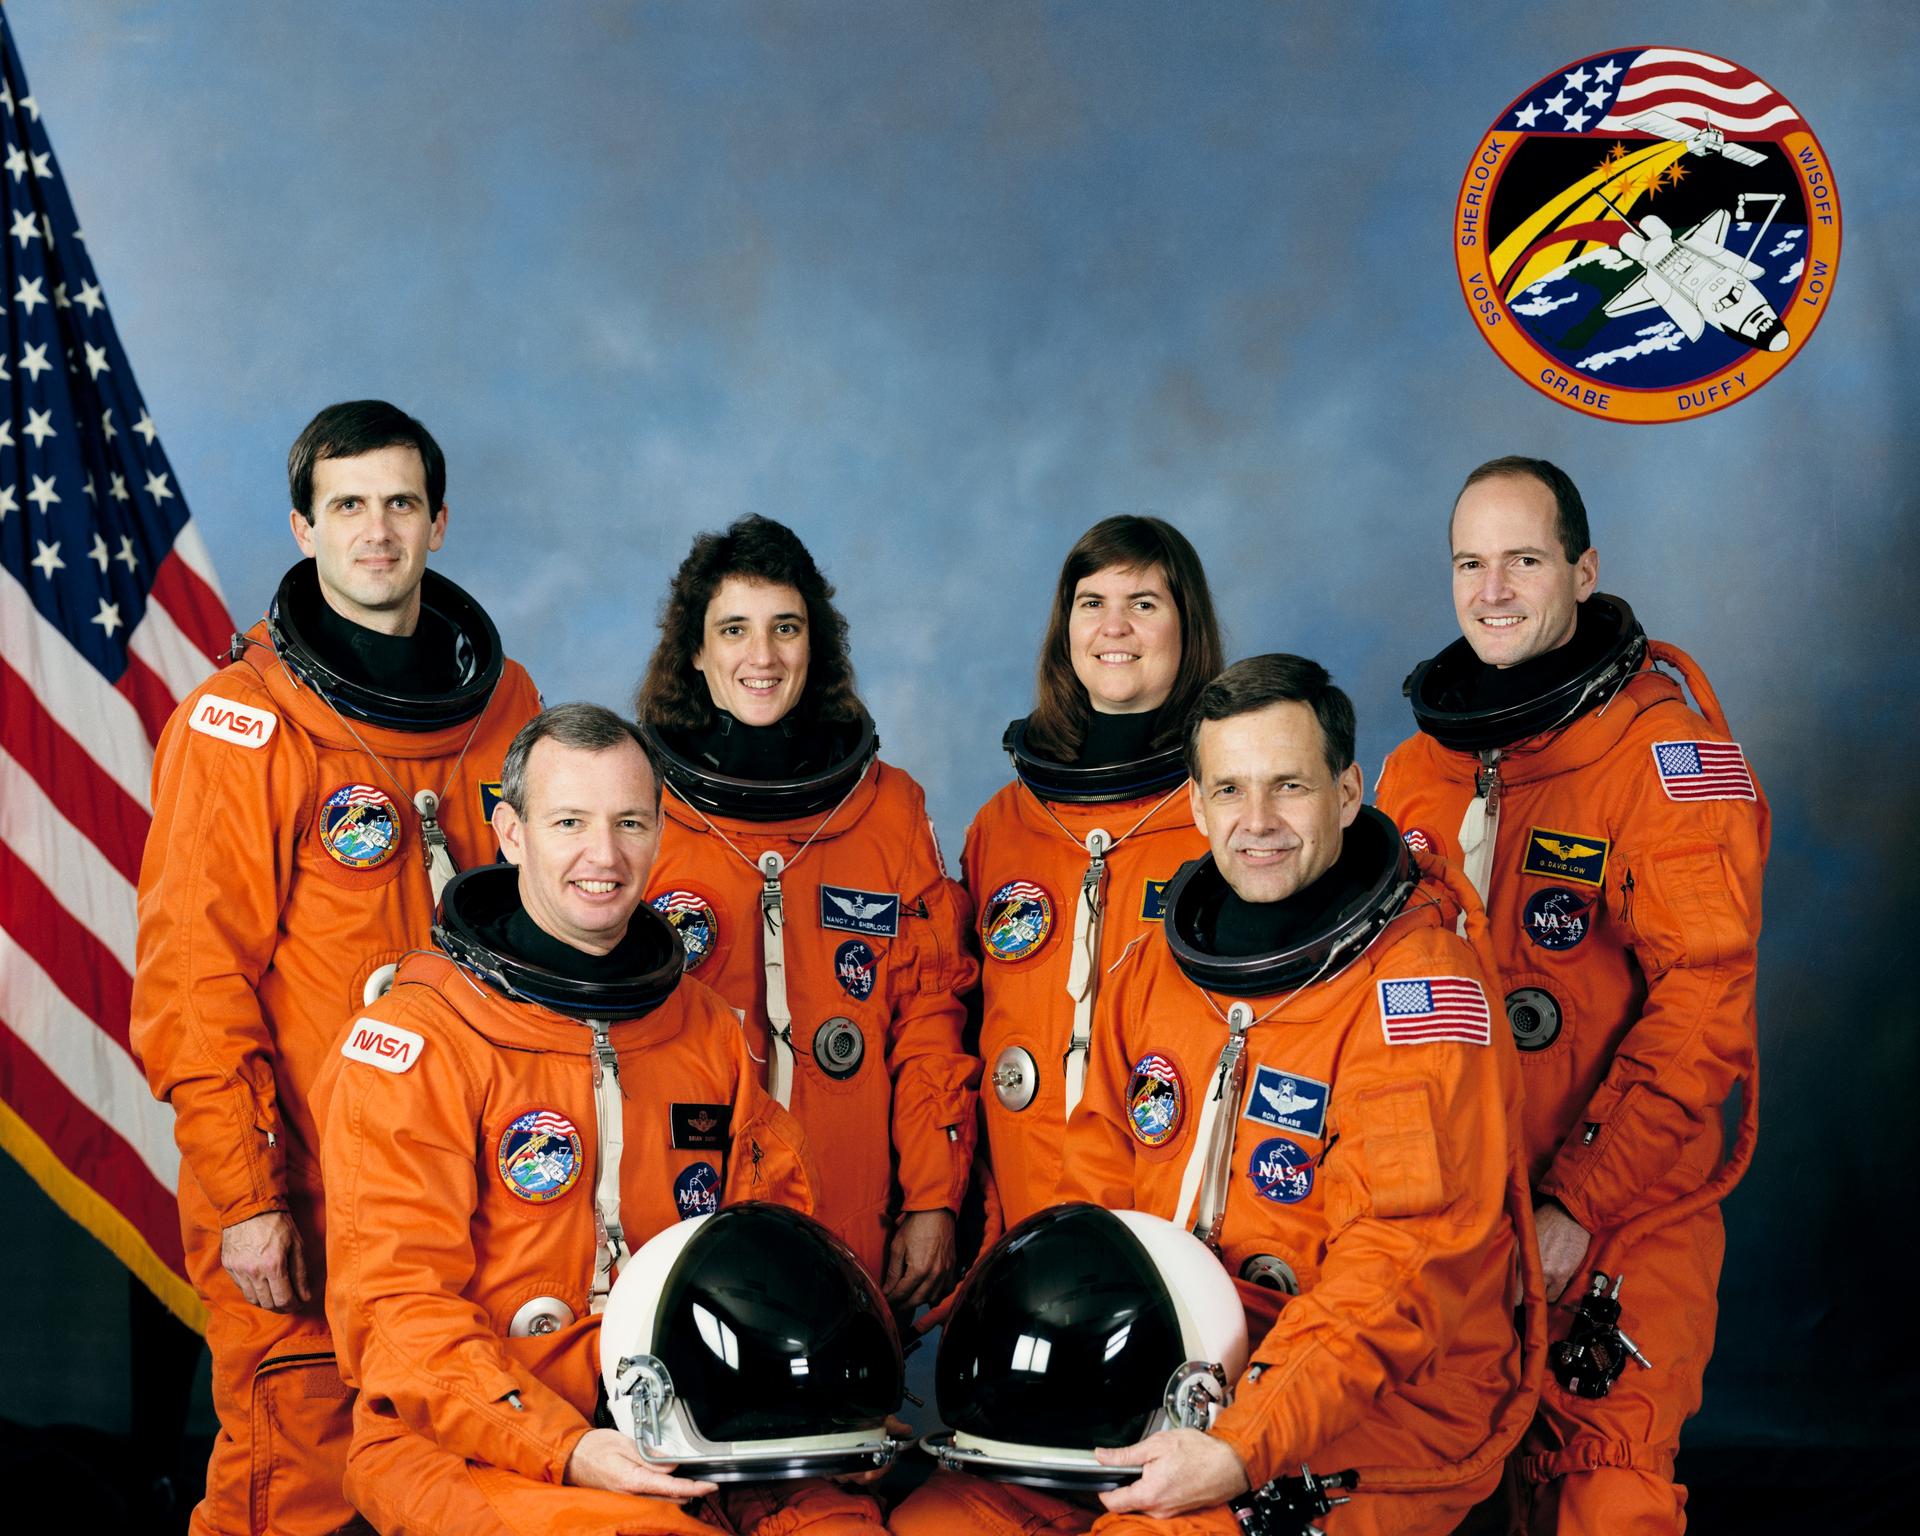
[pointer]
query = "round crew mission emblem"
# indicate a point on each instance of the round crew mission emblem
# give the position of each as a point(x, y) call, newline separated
point(1648, 235)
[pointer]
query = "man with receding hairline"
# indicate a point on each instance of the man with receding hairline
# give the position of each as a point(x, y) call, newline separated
point(1617, 838)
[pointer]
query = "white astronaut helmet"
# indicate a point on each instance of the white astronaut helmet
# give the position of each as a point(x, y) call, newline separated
point(1084, 1327)
point(750, 1346)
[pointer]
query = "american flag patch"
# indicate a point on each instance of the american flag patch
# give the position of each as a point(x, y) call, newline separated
point(1418, 1009)
point(1703, 770)
point(1417, 840)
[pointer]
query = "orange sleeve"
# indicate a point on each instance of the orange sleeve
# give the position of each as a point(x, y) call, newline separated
point(1689, 896)
point(398, 1164)
point(1097, 1162)
point(1416, 1172)
point(213, 881)
point(935, 1079)
point(768, 1159)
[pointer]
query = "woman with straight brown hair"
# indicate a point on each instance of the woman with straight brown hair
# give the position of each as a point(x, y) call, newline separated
point(1068, 863)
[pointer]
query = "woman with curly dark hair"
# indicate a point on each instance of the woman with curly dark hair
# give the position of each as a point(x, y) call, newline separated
point(803, 876)
point(1066, 865)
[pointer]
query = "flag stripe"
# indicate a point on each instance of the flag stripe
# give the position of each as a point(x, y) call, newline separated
point(55, 850)
point(179, 662)
point(1743, 95)
point(146, 691)
point(76, 962)
point(75, 1133)
point(109, 612)
point(194, 606)
point(116, 824)
point(90, 1065)
point(98, 716)
point(1652, 56)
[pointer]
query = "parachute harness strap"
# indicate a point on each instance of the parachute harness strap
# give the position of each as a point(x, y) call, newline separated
point(610, 1247)
point(1209, 1170)
point(1083, 974)
point(770, 866)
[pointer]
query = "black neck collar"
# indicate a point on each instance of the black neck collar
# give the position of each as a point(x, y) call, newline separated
point(443, 674)
point(1468, 706)
point(483, 929)
point(1312, 933)
point(830, 762)
point(1091, 781)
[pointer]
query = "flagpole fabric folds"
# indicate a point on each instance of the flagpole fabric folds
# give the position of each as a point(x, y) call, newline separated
point(109, 614)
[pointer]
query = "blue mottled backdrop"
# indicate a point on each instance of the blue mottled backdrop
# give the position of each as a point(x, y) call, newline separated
point(940, 285)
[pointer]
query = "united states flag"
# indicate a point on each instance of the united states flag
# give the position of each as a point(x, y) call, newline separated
point(1699, 90)
point(109, 613)
point(1417, 1009)
point(1607, 93)
point(1703, 770)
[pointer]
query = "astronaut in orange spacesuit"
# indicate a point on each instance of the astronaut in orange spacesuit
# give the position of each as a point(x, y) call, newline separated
point(1302, 1070)
point(517, 1116)
point(1618, 839)
point(309, 801)
point(1069, 864)
point(806, 880)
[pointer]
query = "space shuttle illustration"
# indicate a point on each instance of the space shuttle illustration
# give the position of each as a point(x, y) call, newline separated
point(1696, 279)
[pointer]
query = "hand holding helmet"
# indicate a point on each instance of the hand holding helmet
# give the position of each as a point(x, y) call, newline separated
point(605, 1458)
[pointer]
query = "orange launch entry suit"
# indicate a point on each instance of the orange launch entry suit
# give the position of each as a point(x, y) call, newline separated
point(873, 943)
point(463, 1155)
point(1381, 1174)
point(283, 869)
point(1624, 898)
point(1025, 865)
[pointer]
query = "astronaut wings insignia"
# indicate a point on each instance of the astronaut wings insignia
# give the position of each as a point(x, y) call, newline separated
point(1574, 856)
point(875, 913)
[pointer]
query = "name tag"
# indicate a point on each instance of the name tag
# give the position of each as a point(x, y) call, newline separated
point(871, 912)
point(699, 1126)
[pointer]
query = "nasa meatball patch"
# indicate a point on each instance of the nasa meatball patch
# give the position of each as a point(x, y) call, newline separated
point(1018, 918)
point(1155, 1098)
point(359, 827)
point(1281, 1171)
point(1647, 234)
point(539, 1155)
point(1288, 1102)
point(1557, 918)
point(697, 1191)
point(854, 967)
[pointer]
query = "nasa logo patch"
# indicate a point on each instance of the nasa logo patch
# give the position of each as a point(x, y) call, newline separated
point(359, 826)
point(853, 968)
point(1288, 1102)
point(1281, 1171)
point(1018, 918)
point(230, 720)
point(1557, 918)
point(697, 1191)
point(1565, 856)
point(1155, 1097)
point(1419, 840)
point(1649, 234)
point(1153, 901)
point(539, 1156)
point(691, 916)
